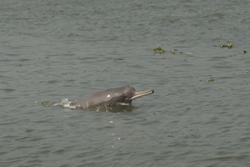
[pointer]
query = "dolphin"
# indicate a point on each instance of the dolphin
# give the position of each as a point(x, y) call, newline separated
point(120, 96)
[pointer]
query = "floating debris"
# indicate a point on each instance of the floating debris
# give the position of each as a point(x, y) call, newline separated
point(228, 44)
point(244, 52)
point(173, 51)
point(159, 50)
point(211, 80)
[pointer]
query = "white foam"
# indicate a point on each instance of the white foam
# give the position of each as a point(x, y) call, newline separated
point(66, 103)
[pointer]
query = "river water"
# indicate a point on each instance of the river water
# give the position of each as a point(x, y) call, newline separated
point(198, 116)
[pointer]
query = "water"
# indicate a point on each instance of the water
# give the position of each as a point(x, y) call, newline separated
point(198, 116)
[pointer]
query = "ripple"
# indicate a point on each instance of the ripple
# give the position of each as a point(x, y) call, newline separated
point(24, 60)
point(8, 90)
point(228, 157)
point(12, 54)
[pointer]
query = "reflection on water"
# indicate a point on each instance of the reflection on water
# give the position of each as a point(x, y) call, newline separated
point(67, 104)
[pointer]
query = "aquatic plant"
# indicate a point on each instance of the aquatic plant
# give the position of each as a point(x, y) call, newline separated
point(211, 80)
point(228, 44)
point(159, 50)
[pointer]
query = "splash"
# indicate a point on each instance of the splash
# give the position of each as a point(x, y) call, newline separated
point(66, 103)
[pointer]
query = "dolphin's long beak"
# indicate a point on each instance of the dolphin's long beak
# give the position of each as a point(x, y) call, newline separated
point(142, 93)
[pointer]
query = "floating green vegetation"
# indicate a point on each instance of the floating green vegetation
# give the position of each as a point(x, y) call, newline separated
point(159, 50)
point(211, 80)
point(228, 44)
point(47, 103)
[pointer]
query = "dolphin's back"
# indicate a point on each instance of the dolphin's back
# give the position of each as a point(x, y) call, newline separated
point(106, 97)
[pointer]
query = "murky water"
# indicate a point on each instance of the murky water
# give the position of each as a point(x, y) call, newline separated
point(198, 116)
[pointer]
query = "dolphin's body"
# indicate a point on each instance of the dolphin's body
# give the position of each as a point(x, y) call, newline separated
point(108, 98)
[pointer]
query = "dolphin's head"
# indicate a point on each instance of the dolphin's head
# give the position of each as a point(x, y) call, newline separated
point(130, 93)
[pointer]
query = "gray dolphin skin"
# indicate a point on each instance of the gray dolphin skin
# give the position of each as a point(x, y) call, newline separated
point(111, 97)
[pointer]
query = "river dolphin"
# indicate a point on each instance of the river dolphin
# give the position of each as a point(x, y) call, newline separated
point(119, 96)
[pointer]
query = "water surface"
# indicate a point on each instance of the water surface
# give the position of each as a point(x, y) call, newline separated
point(198, 116)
